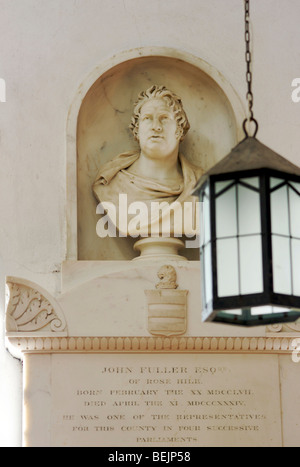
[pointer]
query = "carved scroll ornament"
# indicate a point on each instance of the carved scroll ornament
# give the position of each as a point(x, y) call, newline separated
point(28, 310)
point(285, 328)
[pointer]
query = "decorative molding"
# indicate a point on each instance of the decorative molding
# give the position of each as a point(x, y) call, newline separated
point(30, 309)
point(35, 323)
point(224, 345)
point(284, 328)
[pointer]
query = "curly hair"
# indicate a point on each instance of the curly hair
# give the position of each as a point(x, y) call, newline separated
point(172, 100)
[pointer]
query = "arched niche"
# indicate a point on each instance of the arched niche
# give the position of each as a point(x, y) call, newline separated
point(98, 131)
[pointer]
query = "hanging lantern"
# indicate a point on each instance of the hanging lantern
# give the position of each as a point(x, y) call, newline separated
point(250, 237)
point(250, 232)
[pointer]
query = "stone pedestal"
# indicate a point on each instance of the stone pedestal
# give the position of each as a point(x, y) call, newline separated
point(157, 248)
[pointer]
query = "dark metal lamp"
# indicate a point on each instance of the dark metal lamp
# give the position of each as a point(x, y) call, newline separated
point(250, 234)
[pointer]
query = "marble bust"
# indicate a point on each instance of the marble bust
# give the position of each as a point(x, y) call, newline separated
point(158, 176)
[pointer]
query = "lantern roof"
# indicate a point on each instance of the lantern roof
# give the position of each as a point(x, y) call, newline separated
point(250, 154)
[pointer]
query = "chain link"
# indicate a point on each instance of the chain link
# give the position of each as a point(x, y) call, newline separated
point(249, 71)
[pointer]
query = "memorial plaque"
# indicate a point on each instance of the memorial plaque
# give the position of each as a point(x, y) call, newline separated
point(165, 400)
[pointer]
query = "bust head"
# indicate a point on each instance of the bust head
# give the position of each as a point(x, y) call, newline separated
point(157, 172)
point(172, 102)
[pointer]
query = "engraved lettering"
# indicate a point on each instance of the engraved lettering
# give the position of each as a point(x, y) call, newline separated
point(164, 405)
point(118, 370)
point(165, 370)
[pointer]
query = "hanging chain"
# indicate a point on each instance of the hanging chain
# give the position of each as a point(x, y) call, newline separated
point(248, 60)
point(248, 57)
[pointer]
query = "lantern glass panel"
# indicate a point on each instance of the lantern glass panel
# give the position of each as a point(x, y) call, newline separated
point(282, 282)
point(227, 267)
point(296, 186)
point(251, 267)
point(205, 244)
point(220, 186)
point(280, 211)
point(268, 310)
point(207, 262)
point(248, 211)
point(226, 218)
point(296, 266)
point(253, 181)
point(236, 312)
point(274, 182)
point(294, 200)
point(206, 217)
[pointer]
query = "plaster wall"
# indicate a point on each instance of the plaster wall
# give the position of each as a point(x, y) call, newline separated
point(48, 49)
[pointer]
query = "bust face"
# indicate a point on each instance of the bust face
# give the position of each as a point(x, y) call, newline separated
point(158, 131)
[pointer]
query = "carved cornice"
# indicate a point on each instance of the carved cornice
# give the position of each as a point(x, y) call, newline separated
point(35, 323)
point(253, 345)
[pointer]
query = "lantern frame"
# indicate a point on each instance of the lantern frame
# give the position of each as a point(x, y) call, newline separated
point(285, 307)
point(262, 293)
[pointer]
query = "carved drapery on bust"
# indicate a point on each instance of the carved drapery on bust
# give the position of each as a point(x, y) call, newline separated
point(158, 174)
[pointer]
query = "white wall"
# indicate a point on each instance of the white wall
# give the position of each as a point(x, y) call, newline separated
point(48, 49)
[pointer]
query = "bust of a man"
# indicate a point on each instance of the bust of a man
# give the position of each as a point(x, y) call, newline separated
point(158, 177)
